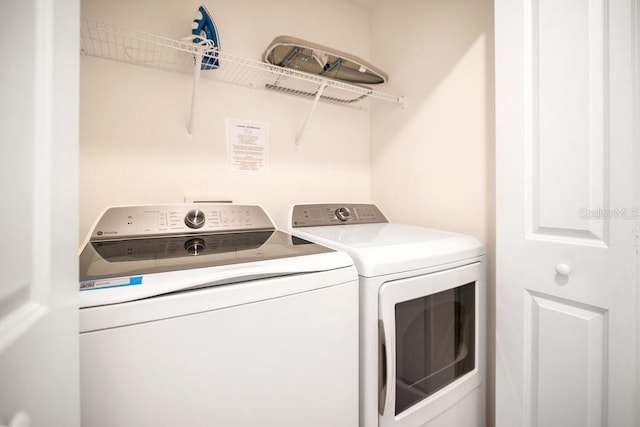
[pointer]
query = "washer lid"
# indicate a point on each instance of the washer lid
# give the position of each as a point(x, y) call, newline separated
point(387, 248)
point(143, 251)
point(119, 258)
point(118, 271)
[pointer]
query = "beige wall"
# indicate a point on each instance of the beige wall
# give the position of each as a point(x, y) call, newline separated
point(133, 140)
point(432, 163)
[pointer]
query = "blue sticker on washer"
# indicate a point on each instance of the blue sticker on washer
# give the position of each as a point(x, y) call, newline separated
point(90, 285)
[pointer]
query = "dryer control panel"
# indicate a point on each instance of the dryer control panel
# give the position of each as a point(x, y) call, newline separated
point(335, 214)
point(187, 218)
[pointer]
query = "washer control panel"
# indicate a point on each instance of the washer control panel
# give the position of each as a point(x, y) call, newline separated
point(188, 218)
point(335, 214)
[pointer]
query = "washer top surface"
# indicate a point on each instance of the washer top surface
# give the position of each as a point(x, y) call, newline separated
point(377, 246)
point(136, 252)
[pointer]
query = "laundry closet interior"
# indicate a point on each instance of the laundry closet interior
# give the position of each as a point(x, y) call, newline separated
point(424, 155)
point(427, 160)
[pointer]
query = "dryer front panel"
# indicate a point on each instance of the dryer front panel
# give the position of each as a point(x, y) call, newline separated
point(429, 350)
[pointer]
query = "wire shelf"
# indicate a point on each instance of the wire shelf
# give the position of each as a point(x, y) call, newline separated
point(134, 47)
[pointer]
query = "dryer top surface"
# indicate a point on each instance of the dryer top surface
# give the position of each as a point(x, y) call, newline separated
point(387, 248)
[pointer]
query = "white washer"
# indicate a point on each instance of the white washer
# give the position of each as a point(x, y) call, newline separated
point(205, 315)
point(422, 315)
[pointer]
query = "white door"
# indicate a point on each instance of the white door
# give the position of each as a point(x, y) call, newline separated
point(566, 213)
point(38, 215)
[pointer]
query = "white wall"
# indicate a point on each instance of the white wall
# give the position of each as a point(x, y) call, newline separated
point(133, 139)
point(432, 163)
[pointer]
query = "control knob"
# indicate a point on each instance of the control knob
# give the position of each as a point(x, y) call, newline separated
point(343, 213)
point(194, 218)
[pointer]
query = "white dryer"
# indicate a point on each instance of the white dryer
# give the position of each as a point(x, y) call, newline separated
point(205, 315)
point(422, 315)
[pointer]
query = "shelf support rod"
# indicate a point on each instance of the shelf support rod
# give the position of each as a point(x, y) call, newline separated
point(196, 81)
point(316, 99)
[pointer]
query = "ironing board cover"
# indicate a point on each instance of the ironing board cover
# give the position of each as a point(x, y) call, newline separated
point(302, 55)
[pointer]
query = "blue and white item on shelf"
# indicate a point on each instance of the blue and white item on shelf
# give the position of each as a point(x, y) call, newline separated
point(206, 33)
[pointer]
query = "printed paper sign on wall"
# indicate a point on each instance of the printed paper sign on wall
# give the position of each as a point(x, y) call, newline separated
point(248, 146)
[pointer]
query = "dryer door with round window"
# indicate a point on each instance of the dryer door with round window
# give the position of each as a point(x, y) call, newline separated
point(430, 343)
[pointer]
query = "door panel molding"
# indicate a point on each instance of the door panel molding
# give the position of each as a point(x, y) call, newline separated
point(568, 340)
point(566, 104)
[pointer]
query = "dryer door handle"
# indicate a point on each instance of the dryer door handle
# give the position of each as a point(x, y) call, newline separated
point(382, 368)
